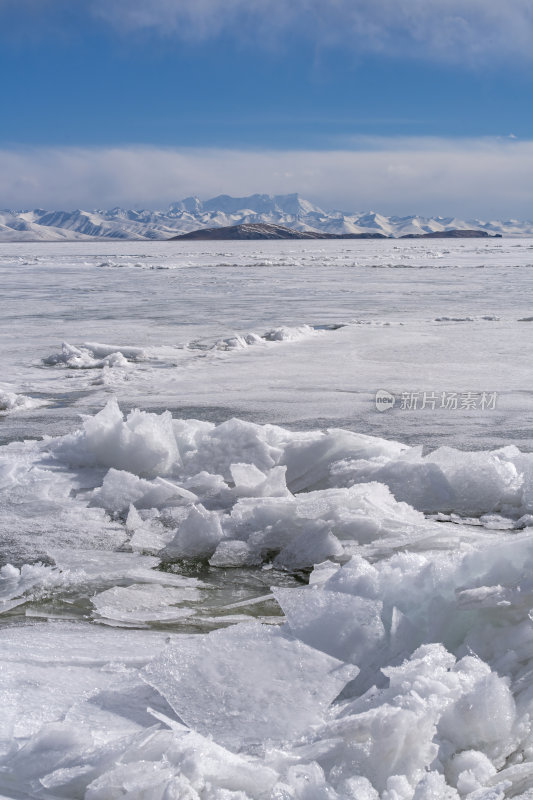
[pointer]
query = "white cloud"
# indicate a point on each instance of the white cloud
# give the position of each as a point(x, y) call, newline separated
point(456, 30)
point(479, 32)
point(485, 178)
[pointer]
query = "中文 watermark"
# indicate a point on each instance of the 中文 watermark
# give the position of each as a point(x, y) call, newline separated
point(448, 401)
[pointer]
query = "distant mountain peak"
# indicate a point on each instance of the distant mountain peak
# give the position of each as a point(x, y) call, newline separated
point(191, 204)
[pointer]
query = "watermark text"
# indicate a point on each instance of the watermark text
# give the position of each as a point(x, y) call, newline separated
point(433, 401)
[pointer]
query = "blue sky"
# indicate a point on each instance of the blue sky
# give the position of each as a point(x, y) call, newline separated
point(196, 83)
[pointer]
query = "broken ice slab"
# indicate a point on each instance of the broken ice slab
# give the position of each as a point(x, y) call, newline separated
point(256, 684)
point(102, 565)
point(145, 603)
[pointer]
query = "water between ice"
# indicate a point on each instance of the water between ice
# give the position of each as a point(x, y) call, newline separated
point(285, 594)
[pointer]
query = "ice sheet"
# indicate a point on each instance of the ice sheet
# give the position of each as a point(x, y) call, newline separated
point(396, 662)
point(211, 293)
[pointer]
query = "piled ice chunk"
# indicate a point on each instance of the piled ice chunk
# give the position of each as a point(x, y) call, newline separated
point(16, 583)
point(249, 493)
point(10, 402)
point(449, 480)
point(120, 489)
point(143, 444)
point(197, 536)
point(288, 334)
point(282, 334)
point(238, 342)
point(403, 671)
point(92, 355)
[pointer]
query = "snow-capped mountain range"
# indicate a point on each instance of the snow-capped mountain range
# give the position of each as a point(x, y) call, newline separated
point(186, 215)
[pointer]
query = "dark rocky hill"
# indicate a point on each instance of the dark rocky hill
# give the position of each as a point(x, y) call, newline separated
point(453, 234)
point(266, 231)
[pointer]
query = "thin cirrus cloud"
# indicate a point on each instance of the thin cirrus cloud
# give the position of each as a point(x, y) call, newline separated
point(487, 178)
point(447, 30)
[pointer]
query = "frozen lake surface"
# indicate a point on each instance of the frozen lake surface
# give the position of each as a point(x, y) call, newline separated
point(265, 520)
